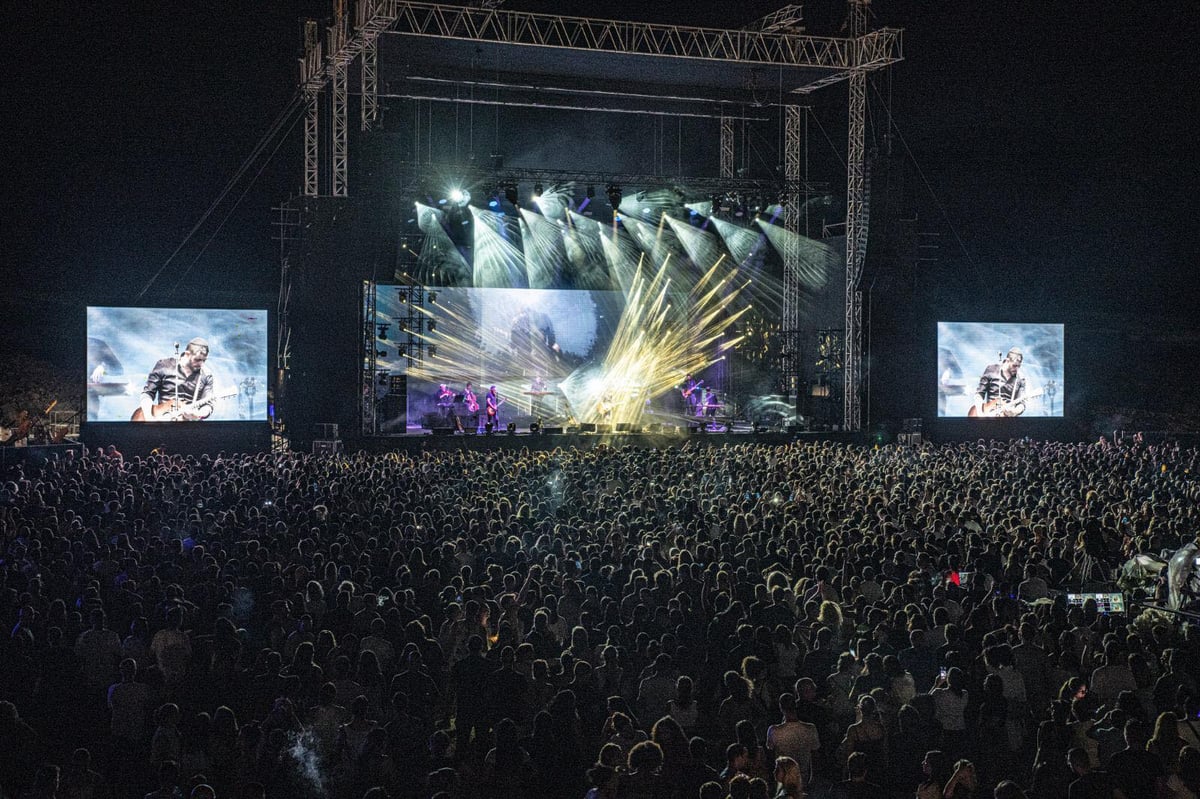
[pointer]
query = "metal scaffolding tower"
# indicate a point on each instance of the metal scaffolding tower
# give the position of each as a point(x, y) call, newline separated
point(726, 147)
point(338, 157)
point(310, 65)
point(857, 207)
point(791, 345)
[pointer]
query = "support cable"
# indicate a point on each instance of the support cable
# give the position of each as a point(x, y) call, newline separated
point(293, 105)
point(937, 200)
point(236, 203)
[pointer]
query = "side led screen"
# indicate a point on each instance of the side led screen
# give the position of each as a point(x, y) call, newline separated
point(991, 370)
point(176, 365)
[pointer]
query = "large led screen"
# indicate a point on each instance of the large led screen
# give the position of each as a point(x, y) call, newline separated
point(176, 364)
point(999, 370)
point(532, 344)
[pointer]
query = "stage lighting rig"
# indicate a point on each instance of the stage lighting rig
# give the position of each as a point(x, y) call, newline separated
point(614, 195)
point(460, 197)
point(383, 330)
point(538, 188)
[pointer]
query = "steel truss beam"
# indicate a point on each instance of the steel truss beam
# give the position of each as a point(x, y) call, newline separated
point(874, 50)
point(370, 85)
point(339, 160)
point(371, 19)
point(310, 64)
point(857, 220)
point(483, 177)
point(793, 169)
point(726, 147)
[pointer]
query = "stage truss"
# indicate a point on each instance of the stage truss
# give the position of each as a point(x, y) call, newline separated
point(705, 56)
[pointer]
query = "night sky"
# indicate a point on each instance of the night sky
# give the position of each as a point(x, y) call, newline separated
point(1057, 141)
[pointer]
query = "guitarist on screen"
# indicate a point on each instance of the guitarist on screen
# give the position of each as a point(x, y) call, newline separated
point(1001, 390)
point(182, 383)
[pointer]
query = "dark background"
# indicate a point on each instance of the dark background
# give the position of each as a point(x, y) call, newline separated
point(1045, 148)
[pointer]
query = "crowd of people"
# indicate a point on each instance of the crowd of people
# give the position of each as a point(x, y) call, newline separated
point(741, 621)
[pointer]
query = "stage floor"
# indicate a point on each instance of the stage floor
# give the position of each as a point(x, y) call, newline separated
point(547, 441)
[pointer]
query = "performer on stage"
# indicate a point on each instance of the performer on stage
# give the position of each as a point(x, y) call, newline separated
point(471, 403)
point(493, 409)
point(445, 404)
point(183, 382)
point(691, 395)
point(1001, 385)
point(710, 404)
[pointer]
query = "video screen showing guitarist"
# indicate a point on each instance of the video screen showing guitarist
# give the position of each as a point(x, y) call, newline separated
point(1001, 390)
point(178, 389)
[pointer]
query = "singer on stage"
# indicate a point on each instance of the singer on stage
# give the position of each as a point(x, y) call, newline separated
point(181, 382)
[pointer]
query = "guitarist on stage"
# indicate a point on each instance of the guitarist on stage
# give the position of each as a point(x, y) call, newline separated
point(691, 395)
point(1001, 385)
point(492, 409)
point(184, 380)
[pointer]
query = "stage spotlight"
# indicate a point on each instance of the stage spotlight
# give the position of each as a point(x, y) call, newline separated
point(512, 428)
point(459, 197)
point(431, 326)
point(402, 352)
point(380, 353)
point(493, 203)
point(537, 191)
point(432, 350)
point(383, 329)
point(614, 195)
point(402, 295)
point(432, 299)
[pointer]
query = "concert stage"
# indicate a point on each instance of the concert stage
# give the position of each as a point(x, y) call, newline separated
point(547, 441)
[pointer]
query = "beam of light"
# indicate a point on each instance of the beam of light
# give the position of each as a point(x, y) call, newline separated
point(438, 254)
point(664, 332)
point(498, 262)
point(703, 208)
point(622, 254)
point(545, 250)
point(701, 246)
point(817, 260)
point(555, 202)
point(744, 244)
point(657, 241)
point(585, 253)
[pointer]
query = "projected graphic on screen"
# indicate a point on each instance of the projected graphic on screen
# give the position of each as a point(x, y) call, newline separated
point(176, 364)
point(530, 343)
point(1000, 370)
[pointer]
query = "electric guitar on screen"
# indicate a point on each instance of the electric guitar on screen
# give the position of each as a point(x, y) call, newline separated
point(1000, 407)
point(172, 411)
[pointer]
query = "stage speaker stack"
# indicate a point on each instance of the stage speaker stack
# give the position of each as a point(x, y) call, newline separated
point(587, 427)
point(395, 403)
point(326, 440)
point(911, 434)
point(604, 429)
point(552, 431)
